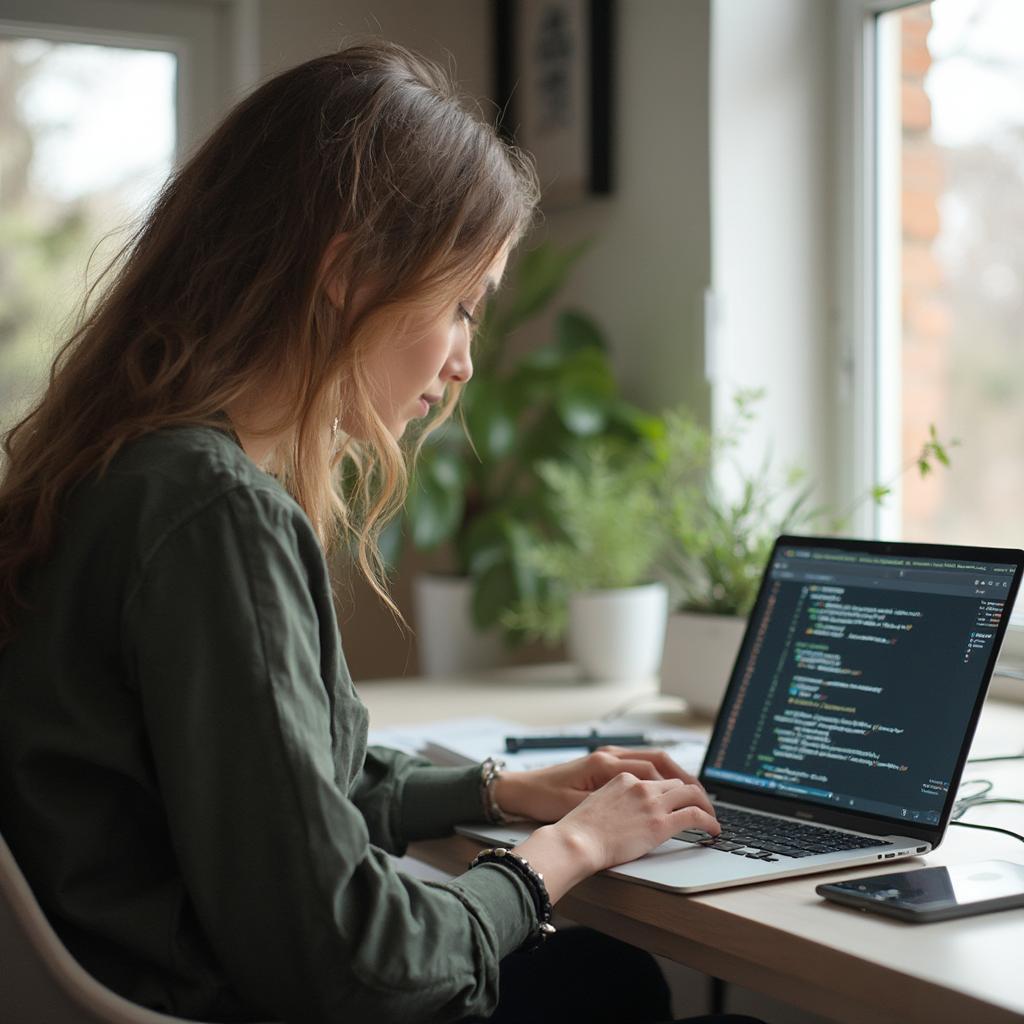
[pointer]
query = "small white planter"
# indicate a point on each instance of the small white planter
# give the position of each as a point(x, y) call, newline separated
point(618, 634)
point(700, 651)
point(449, 643)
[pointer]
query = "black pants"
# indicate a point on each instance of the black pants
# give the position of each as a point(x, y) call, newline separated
point(580, 976)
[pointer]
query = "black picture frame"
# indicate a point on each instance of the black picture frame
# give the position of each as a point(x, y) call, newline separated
point(554, 89)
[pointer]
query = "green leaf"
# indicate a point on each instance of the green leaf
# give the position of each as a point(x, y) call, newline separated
point(606, 517)
point(436, 499)
point(575, 331)
point(522, 539)
point(744, 401)
point(491, 421)
point(539, 276)
point(545, 437)
point(542, 619)
point(581, 413)
point(446, 471)
point(484, 542)
point(495, 590)
point(545, 358)
point(585, 391)
point(639, 423)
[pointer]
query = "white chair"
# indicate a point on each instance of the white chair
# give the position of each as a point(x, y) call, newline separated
point(40, 982)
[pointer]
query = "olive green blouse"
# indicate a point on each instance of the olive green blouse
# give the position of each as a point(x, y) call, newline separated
point(184, 775)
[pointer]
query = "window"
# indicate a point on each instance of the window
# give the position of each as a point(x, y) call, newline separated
point(950, 130)
point(97, 97)
point(930, 267)
point(70, 187)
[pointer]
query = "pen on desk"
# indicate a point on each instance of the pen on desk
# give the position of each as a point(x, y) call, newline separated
point(589, 741)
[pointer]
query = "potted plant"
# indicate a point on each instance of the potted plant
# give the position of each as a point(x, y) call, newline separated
point(598, 566)
point(475, 490)
point(718, 540)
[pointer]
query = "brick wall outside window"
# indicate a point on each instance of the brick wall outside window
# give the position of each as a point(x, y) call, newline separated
point(926, 312)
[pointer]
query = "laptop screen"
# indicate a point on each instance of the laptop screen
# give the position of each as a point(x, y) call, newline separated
point(860, 674)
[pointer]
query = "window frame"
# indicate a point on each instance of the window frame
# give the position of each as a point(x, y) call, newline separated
point(206, 82)
point(863, 303)
point(857, 292)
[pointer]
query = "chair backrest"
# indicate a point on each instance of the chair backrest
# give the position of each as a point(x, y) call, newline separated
point(40, 982)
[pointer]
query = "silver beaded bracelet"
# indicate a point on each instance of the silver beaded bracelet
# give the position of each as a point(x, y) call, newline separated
point(490, 772)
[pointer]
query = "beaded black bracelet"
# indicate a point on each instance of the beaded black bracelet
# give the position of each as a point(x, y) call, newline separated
point(534, 882)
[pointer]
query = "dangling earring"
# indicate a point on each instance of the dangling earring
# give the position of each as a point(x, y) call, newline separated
point(334, 428)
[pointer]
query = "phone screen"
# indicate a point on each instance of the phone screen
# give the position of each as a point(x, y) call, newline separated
point(928, 891)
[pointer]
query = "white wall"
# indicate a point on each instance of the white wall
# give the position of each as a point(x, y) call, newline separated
point(645, 277)
point(459, 30)
point(771, 139)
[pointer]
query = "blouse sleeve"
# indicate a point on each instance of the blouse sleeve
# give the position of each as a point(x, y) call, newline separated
point(404, 798)
point(310, 920)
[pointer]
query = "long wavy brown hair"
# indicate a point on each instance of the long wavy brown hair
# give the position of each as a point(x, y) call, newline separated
point(227, 287)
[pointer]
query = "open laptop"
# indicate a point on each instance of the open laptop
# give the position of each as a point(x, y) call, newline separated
point(848, 717)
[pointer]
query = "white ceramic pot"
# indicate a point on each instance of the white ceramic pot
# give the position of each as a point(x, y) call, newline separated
point(618, 634)
point(700, 651)
point(449, 643)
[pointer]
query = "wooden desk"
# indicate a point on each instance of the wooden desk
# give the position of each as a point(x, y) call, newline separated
point(779, 938)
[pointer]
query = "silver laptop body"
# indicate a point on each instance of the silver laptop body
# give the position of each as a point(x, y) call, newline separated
point(846, 724)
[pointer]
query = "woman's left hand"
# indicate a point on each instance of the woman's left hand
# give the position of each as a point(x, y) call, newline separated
point(546, 794)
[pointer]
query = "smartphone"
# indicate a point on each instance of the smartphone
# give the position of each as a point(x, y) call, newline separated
point(934, 894)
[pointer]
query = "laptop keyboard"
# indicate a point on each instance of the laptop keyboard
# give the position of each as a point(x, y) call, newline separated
point(762, 838)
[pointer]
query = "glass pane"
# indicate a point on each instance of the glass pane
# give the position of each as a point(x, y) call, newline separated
point(87, 136)
point(951, 96)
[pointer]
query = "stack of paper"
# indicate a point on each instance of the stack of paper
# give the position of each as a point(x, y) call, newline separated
point(457, 741)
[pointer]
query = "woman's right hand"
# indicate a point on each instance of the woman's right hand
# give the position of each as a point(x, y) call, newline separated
point(624, 819)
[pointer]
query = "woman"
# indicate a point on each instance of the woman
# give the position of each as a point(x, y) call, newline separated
point(183, 766)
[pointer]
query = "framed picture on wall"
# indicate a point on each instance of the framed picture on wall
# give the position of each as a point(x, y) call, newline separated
point(554, 91)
